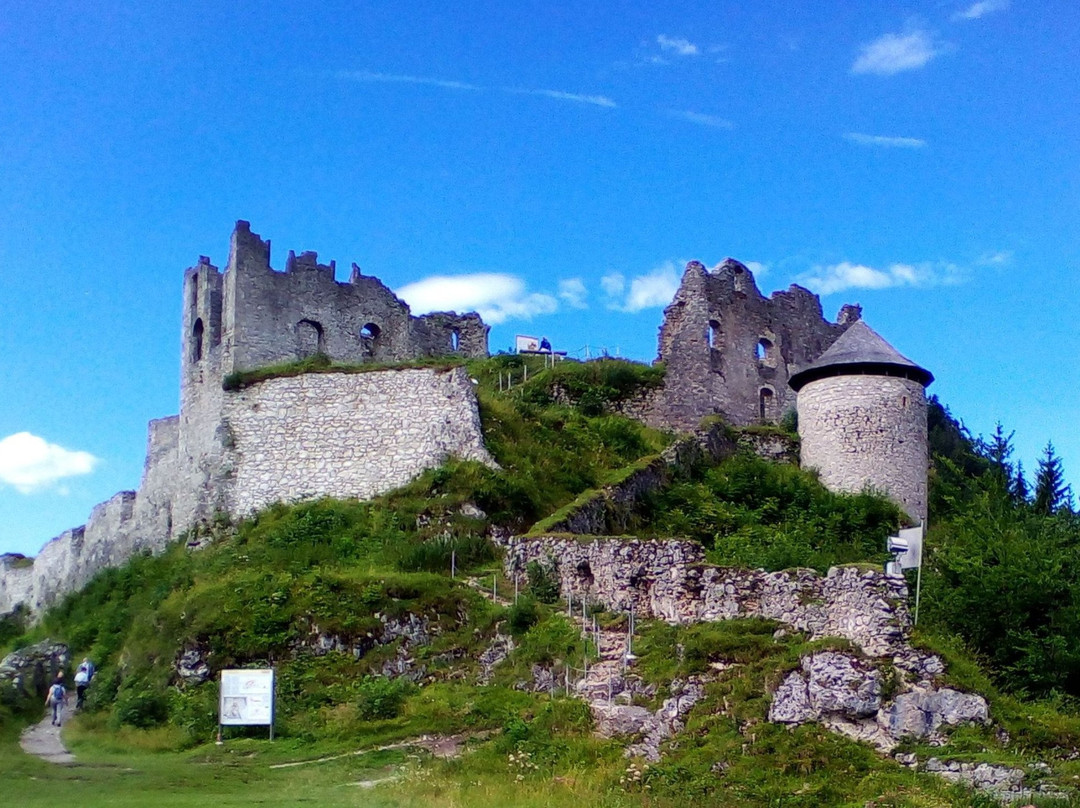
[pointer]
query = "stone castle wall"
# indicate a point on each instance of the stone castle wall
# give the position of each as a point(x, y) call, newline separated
point(867, 431)
point(730, 351)
point(667, 580)
point(346, 435)
point(285, 439)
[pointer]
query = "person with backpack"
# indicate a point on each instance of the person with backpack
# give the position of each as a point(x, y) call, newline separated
point(57, 698)
point(82, 680)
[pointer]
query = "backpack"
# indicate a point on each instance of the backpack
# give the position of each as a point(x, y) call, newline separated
point(82, 676)
point(56, 694)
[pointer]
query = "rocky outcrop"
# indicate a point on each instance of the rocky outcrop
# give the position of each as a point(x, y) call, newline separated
point(845, 693)
point(669, 581)
point(27, 672)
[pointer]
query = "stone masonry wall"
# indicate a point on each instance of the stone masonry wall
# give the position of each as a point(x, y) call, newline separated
point(346, 435)
point(667, 580)
point(730, 351)
point(336, 434)
point(860, 431)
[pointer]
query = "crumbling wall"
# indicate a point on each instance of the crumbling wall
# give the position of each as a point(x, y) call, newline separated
point(668, 580)
point(729, 350)
point(270, 316)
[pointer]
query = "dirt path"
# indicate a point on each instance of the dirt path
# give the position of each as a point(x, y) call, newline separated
point(43, 740)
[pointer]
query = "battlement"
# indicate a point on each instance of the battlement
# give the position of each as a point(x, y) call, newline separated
point(251, 315)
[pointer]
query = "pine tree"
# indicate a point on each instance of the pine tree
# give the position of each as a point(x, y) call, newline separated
point(1021, 494)
point(998, 450)
point(1052, 493)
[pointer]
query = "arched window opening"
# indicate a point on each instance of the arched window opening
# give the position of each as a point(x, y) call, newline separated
point(455, 339)
point(309, 338)
point(712, 335)
point(196, 340)
point(369, 337)
point(763, 349)
point(765, 403)
point(903, 402)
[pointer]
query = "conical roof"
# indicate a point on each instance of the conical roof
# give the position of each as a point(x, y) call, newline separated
point(860, 350)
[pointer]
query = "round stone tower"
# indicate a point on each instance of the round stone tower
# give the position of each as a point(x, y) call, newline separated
point(862, 419)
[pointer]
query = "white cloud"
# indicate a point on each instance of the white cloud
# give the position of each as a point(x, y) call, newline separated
point(29, 463)
point(759, 269)
point(996, 259)
point(497, 297)
point(572, 292)
point(677, 45)
point(703, 119)
point(885, 140)
point(595, 100)
point(981, 9)
point(368, 76)
point(613, 284)
point(654, 289)
point(895, 53)
point(826, 280)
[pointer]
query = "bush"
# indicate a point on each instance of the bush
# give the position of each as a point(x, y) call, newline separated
point(543, 584)
point(522, 616)
point(381, 697)
point(141, 705)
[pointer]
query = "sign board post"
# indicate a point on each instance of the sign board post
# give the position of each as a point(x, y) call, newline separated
point(906, 547)
point(247, 699)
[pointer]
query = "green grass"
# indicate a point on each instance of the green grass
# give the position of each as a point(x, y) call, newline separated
point(320, 363)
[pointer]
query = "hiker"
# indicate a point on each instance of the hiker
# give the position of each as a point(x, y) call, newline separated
point(57, 698)
point(82, 680)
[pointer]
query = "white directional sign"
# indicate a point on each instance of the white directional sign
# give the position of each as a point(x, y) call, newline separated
point(907, 547)
point(247, 697)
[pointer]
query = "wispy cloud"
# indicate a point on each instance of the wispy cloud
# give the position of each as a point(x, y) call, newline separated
point(595, 100)
point(759, 269)
point(895, 53)
point(449, 84)
point(996, 258)
point(497, 297)
point(573, 293)
point(29, 463)
point(702, 119)
point(981, 9)
point(677, 45)
point(651, 290)
point(826, 280)
point(885, 141)
point(395, 78)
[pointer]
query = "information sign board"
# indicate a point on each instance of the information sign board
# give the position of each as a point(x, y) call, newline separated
point(247, 698)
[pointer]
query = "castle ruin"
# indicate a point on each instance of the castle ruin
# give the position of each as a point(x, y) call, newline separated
point(729, 350)
point(336, 434)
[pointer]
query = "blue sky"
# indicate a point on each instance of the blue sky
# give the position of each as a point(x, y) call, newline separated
point(553, 165)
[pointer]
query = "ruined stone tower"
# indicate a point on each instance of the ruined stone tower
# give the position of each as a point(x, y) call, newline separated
point(730, 350)
point(862, 419)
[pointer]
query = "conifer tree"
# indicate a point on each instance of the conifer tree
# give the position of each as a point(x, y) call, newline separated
point(1052, 493)
point(1021, 494)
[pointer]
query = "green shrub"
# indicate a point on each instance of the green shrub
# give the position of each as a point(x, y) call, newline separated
point(543, 583)
point(522, 616)
point(380, 697)
point(141, 705)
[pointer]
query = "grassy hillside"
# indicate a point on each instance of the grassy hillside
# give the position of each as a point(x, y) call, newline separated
point(375, 644)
